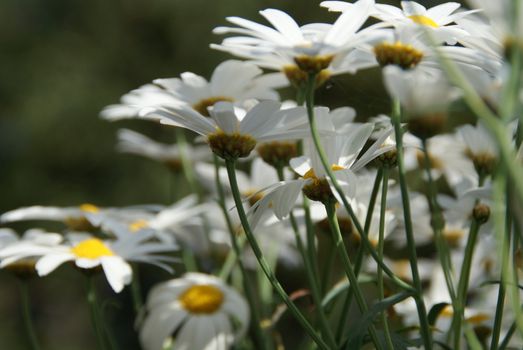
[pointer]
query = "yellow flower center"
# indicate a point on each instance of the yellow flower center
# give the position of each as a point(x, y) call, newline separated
point(201, 299)
point(89, 208)
point(310, 174)
point(478, 318)
point(138, 225)
point(403, 55)
point(231, 146)
point(424, 20)
point(202, 105)
point(91, 248)
point(453, 236)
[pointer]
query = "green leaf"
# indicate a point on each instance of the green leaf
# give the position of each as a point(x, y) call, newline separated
point(342, 286)
point(357, 334)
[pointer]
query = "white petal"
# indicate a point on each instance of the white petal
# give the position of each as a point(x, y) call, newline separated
point(285, 25)
point(117, 271)
point(223, 114)
point(159, 325)
point(50, 262)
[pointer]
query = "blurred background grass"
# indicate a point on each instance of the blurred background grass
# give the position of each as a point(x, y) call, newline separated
point(61, 62)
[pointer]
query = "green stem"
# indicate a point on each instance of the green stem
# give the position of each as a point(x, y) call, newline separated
point(230, 164)
point(381, 244)
point(96, 320)
point(437, 223)
point(187, 165)
point(315, 288)
point(359, 257)
point(136, 290)
point(26, 310)
point(247, 284)
point(411, 244)
point(347, 265)
point(465, 275)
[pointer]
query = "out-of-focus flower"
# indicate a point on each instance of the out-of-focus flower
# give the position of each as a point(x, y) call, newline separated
point(425, 98)
point(198, 309)
point(198, 93)
point(10, 240)
point(88, 252)
point(170, 154)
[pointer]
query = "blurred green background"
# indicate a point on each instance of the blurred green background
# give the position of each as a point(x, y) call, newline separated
point(61, 62)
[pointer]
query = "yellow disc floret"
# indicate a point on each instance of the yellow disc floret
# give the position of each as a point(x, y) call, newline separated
point(403, 55)
point(91, 248)
point(231, 146)
point(89, 208)
point(201, 299)
point(424, 20)
point(138, 225)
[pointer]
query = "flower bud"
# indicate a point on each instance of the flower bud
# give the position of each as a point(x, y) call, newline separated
point(481, 213)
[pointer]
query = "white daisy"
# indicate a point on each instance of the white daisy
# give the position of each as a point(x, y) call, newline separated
point(197, 312)
point(342, 150)
point(135, 143)
point(311, 47)
point(231, 134)
point(195, 91)
point(88, 252)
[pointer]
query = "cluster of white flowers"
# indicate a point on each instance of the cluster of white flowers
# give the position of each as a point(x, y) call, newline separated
point(407, 199)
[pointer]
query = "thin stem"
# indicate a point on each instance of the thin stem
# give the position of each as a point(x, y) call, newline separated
point(230, 164)
point(247, 284)
point(465, 274)
point(359, 257)
point(187, 166)
point(136, 290)
point(96, 320)
point(313, 282)
point(411, 244)
point(26, 311)
point(381, 244)
point(347, 265)
point(437, 223)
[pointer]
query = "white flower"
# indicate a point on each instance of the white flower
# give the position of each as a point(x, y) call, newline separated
point(233, 81)
point(418, 91)
point(199, 309)
point(407, 47)
point(501, 14)
point(342, 150)
point(232, 134)
point(135, 143)
point(88, 252)
point(437, 19)
point(287, 44)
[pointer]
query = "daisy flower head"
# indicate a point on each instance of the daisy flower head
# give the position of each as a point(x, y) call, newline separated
point(438, 19)
point(343, 152)
point(298, 51)
point(234, 81)
point(9, 240)
point(425, 98)
point(406, 47)
point(132, 142)
point(196, 311)
point(89, 252)
point(233, 133)
point(75, 218)
point(501, 15)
